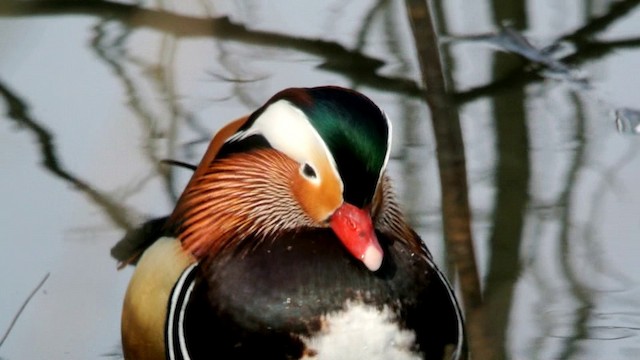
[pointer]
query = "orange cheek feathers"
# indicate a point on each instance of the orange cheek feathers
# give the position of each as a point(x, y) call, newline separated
point(319, 201)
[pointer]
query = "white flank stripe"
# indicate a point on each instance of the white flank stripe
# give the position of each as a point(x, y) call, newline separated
point(175, 297)
point(183, 342)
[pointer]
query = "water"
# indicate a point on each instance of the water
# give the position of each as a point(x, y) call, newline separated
point(93, 98)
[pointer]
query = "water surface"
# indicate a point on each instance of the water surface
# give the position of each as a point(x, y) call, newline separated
point(93, 97)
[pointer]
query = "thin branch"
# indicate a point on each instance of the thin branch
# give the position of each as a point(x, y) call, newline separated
point(24, 305)
point(178, 164)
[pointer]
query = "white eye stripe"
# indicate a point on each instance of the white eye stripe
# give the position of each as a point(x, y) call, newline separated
point(287, 129)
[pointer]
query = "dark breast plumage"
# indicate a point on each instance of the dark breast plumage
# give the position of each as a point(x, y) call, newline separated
point(270, 300)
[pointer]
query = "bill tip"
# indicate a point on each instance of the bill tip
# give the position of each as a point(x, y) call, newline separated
point(372, 258)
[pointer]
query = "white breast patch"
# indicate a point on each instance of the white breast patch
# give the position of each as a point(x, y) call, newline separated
point(361, 332)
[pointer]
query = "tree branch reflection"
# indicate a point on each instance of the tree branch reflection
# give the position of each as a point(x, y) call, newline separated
point(337, 58)
point(19, 112)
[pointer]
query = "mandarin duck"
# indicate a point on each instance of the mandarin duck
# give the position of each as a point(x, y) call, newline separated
point(288, 243)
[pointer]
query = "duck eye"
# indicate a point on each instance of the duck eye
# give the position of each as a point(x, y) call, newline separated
point(308, 171)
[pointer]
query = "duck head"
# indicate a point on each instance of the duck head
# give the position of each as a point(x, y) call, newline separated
point(310, 157)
